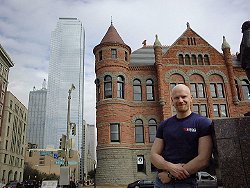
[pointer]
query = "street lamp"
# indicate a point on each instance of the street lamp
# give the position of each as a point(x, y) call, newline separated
point(68, 124)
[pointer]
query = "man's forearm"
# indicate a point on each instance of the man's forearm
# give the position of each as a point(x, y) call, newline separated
point(196, 165)
point(159, 162)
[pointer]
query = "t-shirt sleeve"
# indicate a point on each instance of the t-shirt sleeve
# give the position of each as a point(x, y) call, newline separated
point(159, 133)
point(205, 127)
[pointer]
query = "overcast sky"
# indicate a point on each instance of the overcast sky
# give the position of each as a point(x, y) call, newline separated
point(26, 25)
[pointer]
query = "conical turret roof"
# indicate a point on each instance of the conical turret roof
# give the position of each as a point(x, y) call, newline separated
point(112, 36)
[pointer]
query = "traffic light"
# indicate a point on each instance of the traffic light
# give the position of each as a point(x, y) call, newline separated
point(73, 129)
point(62, 142)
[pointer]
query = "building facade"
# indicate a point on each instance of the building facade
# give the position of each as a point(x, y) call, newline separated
point(49, 161)
point(133, 96)
point(36, 116)
point(12, 147)
point(5, 64)
point(65, 68)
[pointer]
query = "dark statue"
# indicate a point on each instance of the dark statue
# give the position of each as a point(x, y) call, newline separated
point(244, 55)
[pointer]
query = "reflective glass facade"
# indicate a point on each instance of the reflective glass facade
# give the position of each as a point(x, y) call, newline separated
point(36, 117)
point(65, 68)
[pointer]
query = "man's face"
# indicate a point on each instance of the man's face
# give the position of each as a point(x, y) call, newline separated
point(181, 99)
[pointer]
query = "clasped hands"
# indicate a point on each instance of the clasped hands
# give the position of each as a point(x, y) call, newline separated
point(175, 170)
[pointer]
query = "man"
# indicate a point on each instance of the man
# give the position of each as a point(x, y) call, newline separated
point(183, 144)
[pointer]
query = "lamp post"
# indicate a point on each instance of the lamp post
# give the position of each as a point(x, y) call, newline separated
point(68, 125)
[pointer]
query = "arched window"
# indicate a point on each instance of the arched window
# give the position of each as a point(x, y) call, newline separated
point(107, 87)
point(187, 59)
point(206, 60)
point(139, 131)
point(98, 91)
point(137, 90)
point(150, 90)
point(200, 60)
point(152, 126)
point(245, 89)
point(120, 87)
point(181, 59)
point(194, 60)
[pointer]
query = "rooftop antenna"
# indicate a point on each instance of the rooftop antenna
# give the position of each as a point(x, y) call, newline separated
point(44, 84)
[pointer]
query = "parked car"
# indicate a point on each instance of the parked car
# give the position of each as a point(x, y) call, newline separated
point(30, 184)
point(142, 184)
point(204, 179)
point(13, 184)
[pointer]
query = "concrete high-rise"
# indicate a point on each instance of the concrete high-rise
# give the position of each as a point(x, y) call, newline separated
point(66, 67)
point(36, 116)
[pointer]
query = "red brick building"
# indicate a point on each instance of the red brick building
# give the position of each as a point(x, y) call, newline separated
point(133, 96)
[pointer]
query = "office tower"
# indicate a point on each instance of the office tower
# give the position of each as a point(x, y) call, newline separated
point(36, 116)
point(65, 68)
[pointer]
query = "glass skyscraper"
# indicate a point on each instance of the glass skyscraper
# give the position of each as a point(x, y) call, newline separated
point(66, 67)
point(36, 116)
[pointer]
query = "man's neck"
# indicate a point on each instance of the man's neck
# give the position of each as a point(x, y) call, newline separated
point(181, 115)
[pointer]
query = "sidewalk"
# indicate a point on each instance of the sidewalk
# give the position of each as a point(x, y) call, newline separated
point(106, 186)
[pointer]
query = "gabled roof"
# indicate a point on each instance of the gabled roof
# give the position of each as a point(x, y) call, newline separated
point(112, 36)
point(190, 32)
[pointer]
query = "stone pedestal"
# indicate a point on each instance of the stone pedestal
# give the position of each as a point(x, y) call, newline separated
point(232, 141)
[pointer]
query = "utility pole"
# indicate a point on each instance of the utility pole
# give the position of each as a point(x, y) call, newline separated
point(68, 126)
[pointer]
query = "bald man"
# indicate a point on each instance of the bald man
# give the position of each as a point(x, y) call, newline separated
point(183, 144)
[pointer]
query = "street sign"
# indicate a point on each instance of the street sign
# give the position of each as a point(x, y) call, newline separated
point(72, 162)
point(55, 156)
point(59, 162)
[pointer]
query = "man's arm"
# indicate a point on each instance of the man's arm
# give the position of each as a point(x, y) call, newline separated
point(204, 154)
point(159, 162)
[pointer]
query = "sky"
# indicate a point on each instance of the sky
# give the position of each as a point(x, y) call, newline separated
point(26, 25)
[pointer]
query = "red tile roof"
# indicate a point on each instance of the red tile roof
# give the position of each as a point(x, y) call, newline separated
point(112, 36)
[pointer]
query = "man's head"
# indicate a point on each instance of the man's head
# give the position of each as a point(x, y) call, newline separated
point(182, 99)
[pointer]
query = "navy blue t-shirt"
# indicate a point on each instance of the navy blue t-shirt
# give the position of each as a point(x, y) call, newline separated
point(181, 137)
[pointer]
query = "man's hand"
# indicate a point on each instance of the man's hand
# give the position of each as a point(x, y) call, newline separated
point(163, 176)
point(178, 171)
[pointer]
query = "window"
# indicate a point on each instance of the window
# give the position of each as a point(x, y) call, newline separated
point(11, 103)
point(9, 117)
point(152, 130)
point(108, 87)
point(245, 89)
point(5, 158)
point(115, 132)
point(126, 56)
point(200, 109)
point(113, 53)
point(120, 87)
point(187, 60)
point(220, 110)
point(181, 59)
point(200, 60)
point(141, 164)
point(237, 89)
point(137, 90)
point(6, 145)
point(150, 90)
point(139, 131)
point(194, 60)
point(217, 90)
point(98, 90)
point(197, 90)
point(206, 60)
point(100, 55)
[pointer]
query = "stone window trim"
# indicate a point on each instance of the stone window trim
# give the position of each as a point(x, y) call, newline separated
point(187, 75)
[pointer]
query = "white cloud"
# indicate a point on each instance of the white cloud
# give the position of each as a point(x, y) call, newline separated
point(26, 28)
